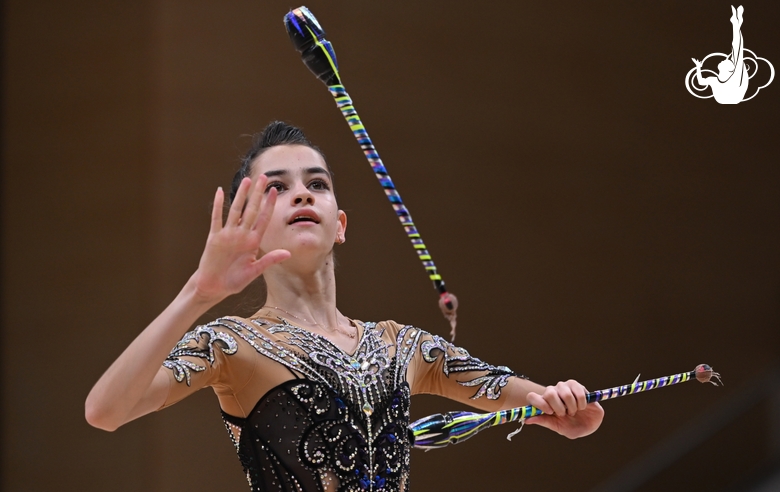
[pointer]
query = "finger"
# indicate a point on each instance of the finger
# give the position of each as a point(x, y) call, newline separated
point(269, 259)
point(238, 203)
point(554, 400)
point(567, 397)
point(253, 205)
point(566, 393)
point(216, 211)
point(581, 394)
point(267, 209)
point(536, 400)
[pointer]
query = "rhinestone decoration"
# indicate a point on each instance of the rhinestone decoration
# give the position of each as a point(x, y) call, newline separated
point(457, 359)
point(352, 411)
point(344, 424)
point(192, 345)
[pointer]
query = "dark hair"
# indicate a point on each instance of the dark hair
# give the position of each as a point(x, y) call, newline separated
point(276, 133)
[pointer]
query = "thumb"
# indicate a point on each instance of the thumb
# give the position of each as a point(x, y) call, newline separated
point(270, 259)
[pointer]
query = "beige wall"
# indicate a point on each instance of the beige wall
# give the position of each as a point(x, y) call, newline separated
point(595, 219)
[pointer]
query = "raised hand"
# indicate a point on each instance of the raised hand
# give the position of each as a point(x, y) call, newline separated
point(566, 410)
point(696, 62)
point(229, 262)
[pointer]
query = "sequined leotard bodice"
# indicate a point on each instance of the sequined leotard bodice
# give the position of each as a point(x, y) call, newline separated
point(330, 442)
point(335, 421)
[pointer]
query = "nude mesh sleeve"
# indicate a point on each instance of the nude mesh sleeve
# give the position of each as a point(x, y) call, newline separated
point(444, 369)
point(197, 361)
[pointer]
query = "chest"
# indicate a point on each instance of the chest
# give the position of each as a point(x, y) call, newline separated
point(365, 378)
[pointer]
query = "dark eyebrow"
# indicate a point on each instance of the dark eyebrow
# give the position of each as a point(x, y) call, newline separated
point(308, 170)
point(278, 172)
point(317, 170)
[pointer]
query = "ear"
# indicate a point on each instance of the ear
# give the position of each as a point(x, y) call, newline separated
point(341, 228)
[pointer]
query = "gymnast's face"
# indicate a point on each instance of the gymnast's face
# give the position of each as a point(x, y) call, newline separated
point(306, 219)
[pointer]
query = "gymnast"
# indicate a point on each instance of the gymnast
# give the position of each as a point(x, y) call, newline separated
point(313, 400)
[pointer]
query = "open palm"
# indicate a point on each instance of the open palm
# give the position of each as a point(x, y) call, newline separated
point(229, 262)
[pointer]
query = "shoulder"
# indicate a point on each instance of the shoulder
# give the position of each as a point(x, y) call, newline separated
point(227, 329)
point(222, 336)
point(226, 333)
point(246, 328)
point(389, 326)
point(395, 331)
point(207, 350)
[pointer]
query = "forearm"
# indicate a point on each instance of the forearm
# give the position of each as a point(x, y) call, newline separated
point(517, 390)
point(128, 382)
point(130, 387)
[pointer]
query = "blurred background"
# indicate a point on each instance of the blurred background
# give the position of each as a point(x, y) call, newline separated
point(595, 219)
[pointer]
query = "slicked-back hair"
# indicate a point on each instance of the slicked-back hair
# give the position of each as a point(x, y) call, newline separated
point(276, 133)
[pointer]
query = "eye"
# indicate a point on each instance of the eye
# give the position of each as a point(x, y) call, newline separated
point(319, 185)
point(280, 187)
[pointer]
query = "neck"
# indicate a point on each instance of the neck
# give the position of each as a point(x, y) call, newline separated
point(306, 293)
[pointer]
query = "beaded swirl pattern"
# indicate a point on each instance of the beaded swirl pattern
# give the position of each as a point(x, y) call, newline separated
point(343, 425)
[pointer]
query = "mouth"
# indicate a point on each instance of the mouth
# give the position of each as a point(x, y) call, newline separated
point(304, 216)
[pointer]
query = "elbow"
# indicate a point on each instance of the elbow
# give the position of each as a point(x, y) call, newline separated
point(99, 417)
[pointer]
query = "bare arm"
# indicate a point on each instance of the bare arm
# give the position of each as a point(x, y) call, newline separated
point(519, 390)
point(136, 384)
point(131, 387)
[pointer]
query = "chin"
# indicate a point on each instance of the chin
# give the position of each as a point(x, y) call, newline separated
point(310, 246)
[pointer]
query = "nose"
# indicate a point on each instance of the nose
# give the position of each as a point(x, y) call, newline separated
point(302, 195)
